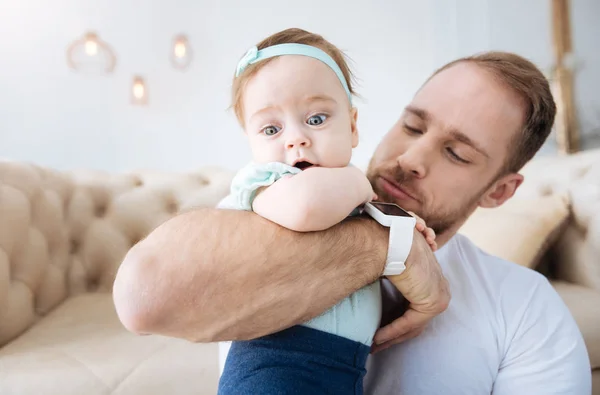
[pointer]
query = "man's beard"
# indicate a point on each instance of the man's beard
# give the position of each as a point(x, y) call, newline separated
point(440, 219)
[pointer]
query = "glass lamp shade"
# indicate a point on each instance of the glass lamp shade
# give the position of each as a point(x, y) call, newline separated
point(91, 55)
point(181, 52)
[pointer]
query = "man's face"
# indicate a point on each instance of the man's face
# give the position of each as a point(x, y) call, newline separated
point(443, 157)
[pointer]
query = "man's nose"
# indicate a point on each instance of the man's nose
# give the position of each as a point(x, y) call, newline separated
point(297, 138)
point(416, 158)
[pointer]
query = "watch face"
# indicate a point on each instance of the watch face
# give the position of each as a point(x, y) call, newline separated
point(390, 209)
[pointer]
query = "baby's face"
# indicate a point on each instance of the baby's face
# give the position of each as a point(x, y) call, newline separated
point(296, 110)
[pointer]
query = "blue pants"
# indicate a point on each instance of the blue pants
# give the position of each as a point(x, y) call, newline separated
point(298, 360)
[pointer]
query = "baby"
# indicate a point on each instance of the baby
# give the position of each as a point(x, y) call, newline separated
point(292, 94)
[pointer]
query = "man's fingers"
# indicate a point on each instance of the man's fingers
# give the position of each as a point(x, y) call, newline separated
point(419, 219)
point(409, 321)
point(430, 234)
point(422, 227)
point(380, 347)
point(410, 325)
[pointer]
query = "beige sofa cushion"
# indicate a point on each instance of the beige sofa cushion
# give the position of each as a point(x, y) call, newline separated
point(521, 230)
point(82, 348)
point(575, 256)
point(579, 248)
point(554, 174)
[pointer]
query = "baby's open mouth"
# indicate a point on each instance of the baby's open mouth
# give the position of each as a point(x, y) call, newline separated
point(303, 165)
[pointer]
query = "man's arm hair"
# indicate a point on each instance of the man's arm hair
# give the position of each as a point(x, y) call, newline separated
point(212, 275)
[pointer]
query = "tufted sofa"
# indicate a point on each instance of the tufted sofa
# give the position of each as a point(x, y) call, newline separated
point(62, 238)
point(63, 235)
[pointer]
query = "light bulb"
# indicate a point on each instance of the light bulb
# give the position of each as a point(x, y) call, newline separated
point(180, 49)
point(91, 47)
point(139, 93)
point(138, 90)
point(181, 52)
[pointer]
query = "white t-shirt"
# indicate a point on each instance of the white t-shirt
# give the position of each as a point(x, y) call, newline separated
point(506, 332)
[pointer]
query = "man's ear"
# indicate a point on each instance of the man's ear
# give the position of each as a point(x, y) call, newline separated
point(501, 190)
point(354, 128)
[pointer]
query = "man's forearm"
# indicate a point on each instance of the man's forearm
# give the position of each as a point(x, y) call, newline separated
point(212, 275)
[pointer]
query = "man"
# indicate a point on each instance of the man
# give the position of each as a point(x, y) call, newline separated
point(212, 275)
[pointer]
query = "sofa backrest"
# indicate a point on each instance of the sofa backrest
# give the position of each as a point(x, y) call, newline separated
point(575, 255)
point(66, 233)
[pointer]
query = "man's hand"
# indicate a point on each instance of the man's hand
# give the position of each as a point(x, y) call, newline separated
point(427, 232)
point(425, 288)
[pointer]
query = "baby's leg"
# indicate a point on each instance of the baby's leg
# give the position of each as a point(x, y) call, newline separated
point(326, 355)
point(298, 360)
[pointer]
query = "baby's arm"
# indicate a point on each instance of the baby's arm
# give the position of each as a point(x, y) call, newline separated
point(315, 199)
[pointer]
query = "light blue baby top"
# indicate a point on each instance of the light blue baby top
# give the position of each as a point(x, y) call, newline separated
point(356, 317)
point(250, 178)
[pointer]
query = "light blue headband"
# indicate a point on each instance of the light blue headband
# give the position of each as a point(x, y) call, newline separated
point(254, 55)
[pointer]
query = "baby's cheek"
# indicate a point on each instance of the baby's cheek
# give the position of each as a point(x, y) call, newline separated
point(263, 152)
point(339, 155)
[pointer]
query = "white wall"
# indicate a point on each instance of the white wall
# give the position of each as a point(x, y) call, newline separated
point(53, 116)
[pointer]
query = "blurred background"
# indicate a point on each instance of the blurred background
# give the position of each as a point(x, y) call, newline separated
point(129, 85)
point(122, 85)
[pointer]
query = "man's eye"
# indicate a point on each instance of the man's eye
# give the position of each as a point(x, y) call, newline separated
point(316, 120)
point(271, 130)
point(454, 156)
point(412, 130)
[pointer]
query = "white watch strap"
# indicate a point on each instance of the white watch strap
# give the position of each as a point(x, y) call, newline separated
point(400, 243)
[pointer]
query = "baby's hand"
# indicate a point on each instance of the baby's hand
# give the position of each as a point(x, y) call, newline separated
point(365, 191)
point(428, 233)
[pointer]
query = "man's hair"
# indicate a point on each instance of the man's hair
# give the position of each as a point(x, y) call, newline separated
point(523, 78)
point(293, 35)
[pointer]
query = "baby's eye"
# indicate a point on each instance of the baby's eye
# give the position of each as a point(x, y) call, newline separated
point(316, 120)
point(271, 130)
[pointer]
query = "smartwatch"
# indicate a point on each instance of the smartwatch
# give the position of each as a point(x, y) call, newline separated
point(402, 226)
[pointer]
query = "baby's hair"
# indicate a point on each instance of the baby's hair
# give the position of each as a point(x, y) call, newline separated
point(293, 35)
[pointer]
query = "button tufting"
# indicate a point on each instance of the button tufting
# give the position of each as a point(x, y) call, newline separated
point(100, 211)
point(172, 207)
point(74, 247)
